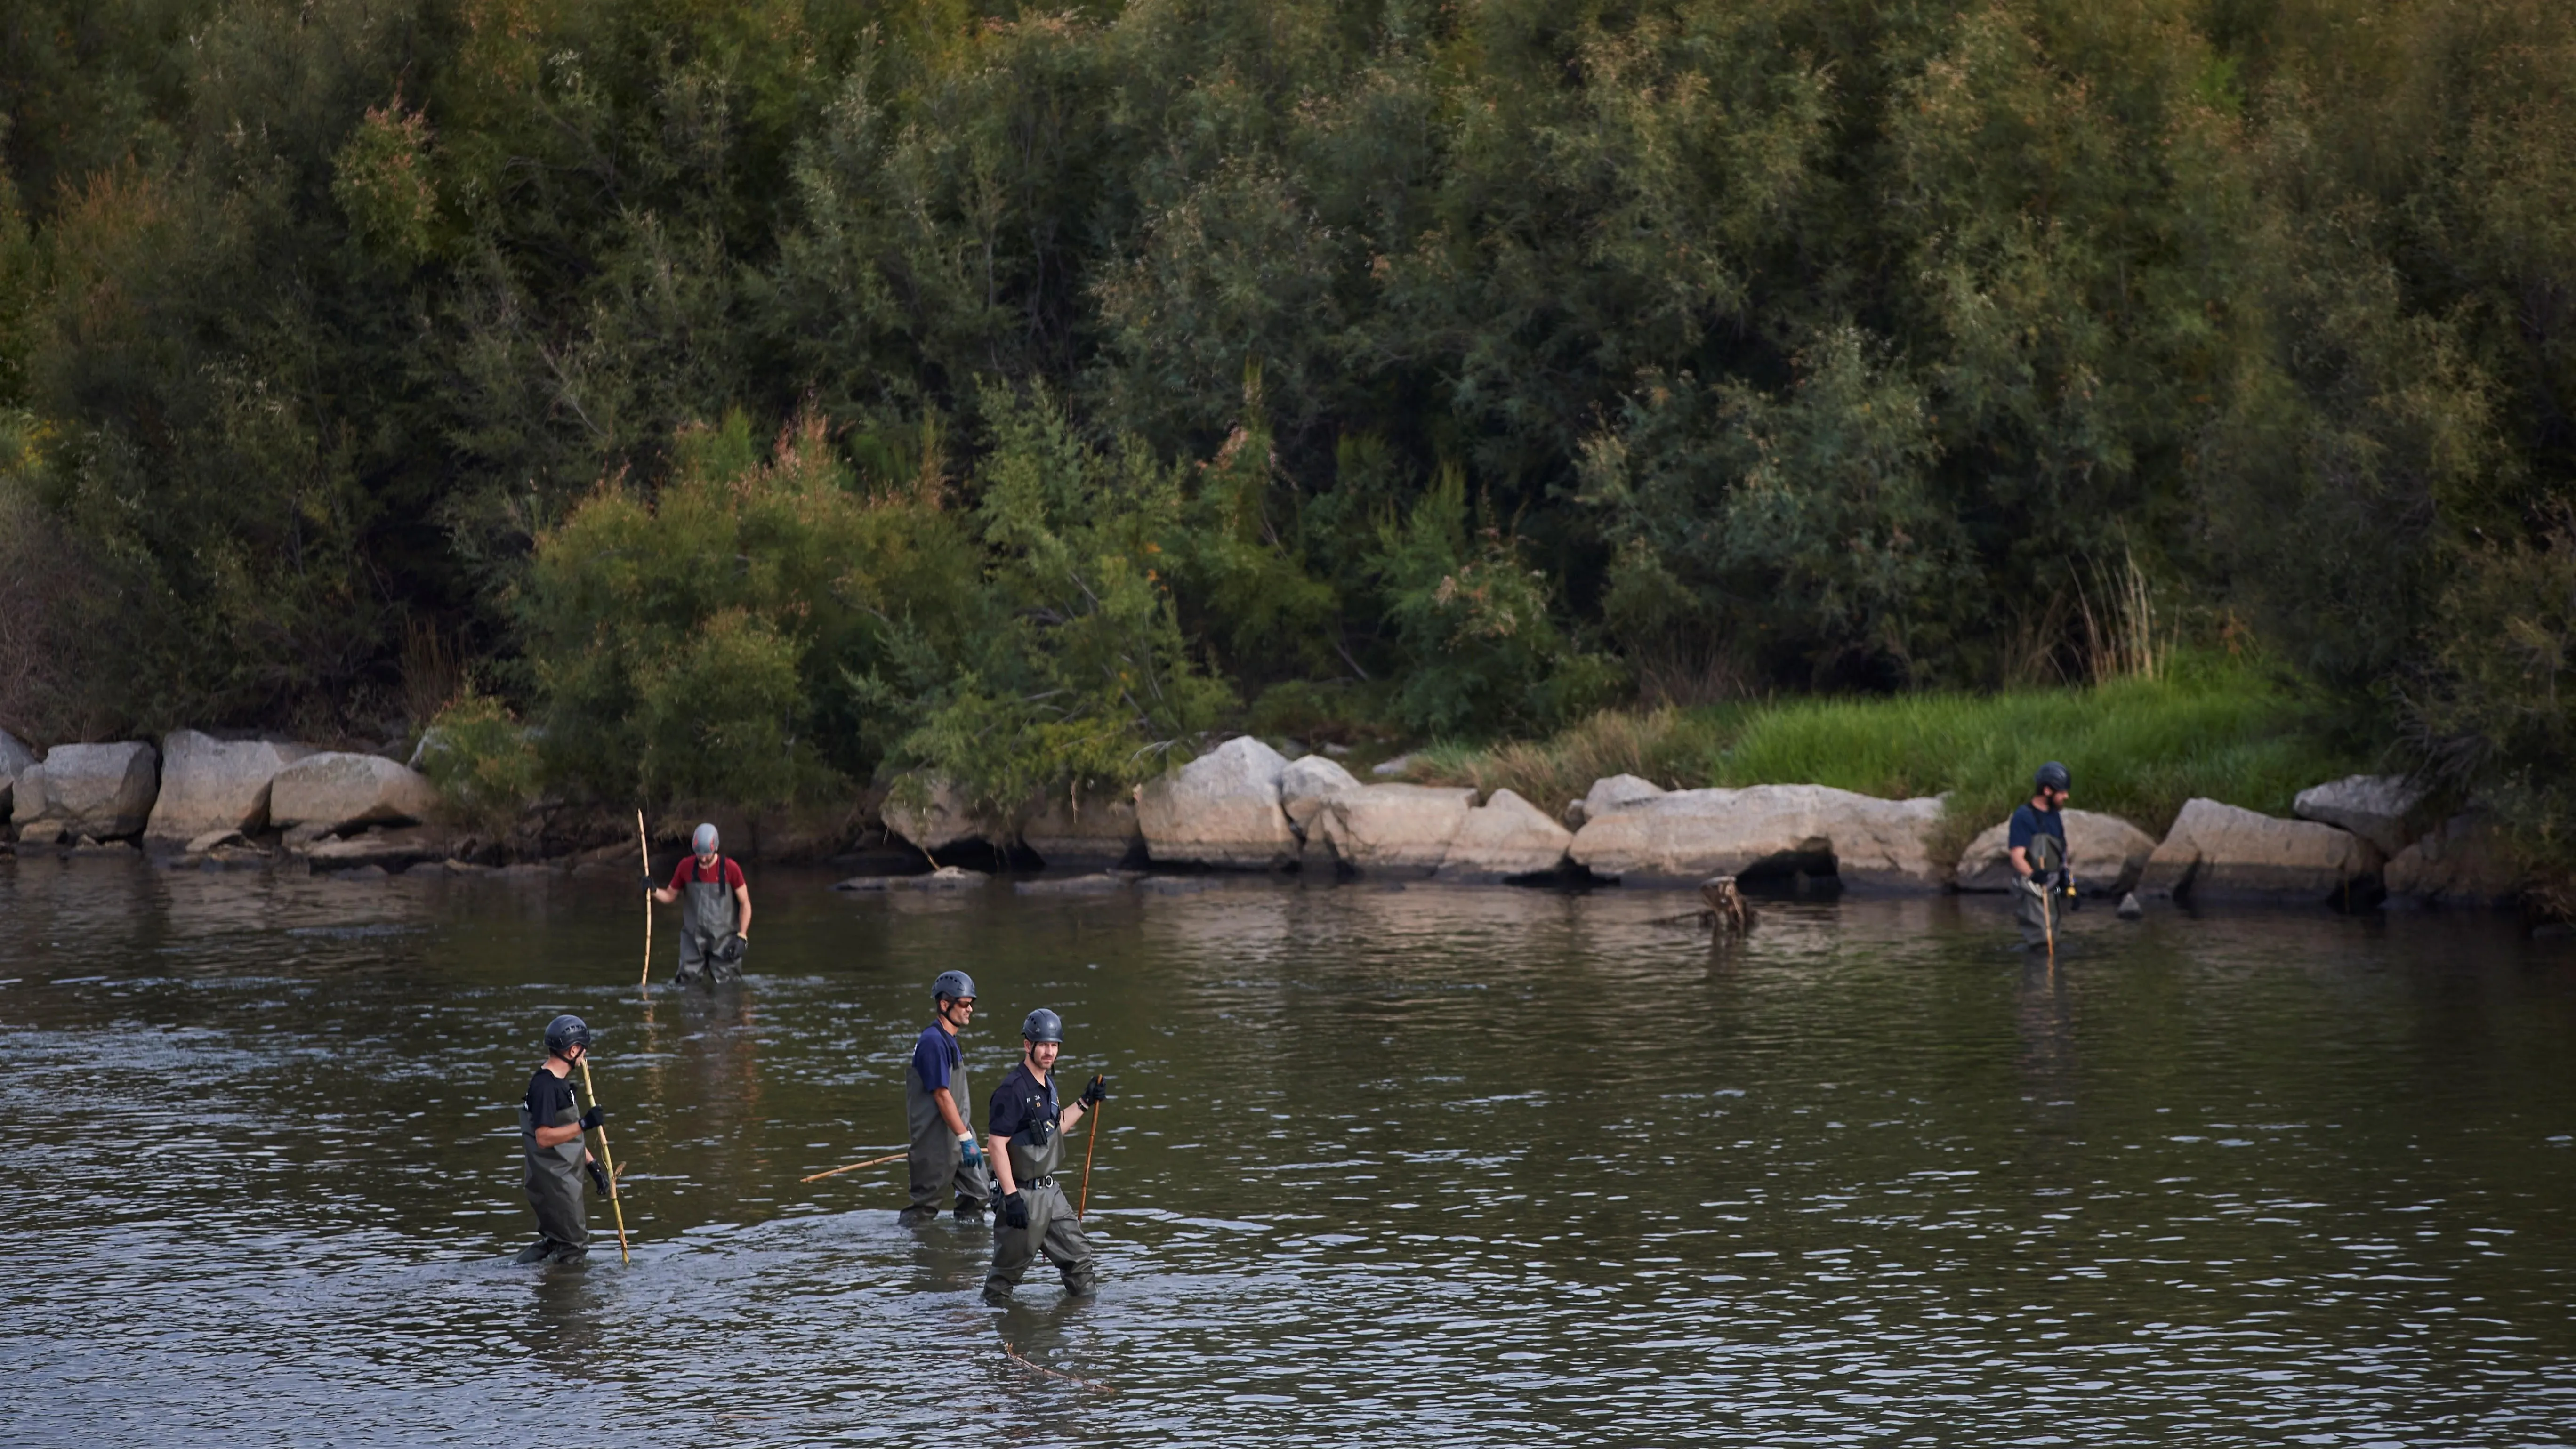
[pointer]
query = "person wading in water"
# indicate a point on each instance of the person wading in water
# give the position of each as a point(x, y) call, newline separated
point(550, 1129)
point(715, 910)
point(935, 1096)
point(2037, 841)
point(1027, 1143)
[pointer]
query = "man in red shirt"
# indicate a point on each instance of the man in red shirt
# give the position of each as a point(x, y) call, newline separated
point(715, 911)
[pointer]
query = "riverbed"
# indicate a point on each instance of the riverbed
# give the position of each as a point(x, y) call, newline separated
point(1381, 1165)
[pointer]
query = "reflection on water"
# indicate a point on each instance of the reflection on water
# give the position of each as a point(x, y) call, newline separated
point(1441, 1166)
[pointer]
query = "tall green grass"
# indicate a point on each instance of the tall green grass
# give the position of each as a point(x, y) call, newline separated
point(2138, 748)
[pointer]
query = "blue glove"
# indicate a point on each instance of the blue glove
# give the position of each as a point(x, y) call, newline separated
point(972, 1154)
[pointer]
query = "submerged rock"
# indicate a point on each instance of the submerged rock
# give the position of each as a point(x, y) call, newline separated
point(209, 784)
point(1392, 829)
point(2129, 909)
point(2108, 854)
point(389, 850)
point(1506, 838)
point(2378, 808)
point(2222, 852)
point(1688, 835)
point(2463, 862)
point(338, 789)
point(1221, 809)
point(104, 791)
point(1101, 884)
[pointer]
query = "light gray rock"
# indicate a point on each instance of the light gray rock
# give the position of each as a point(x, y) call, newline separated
point(389, 850)
point(103, 791)
point(15, 760)
point(1096, 830)
point(1572, 815)
point(1505, 838)
point(2463, 862)
point(931, 813)
point(339, 789)
point(2222, 852)
point(2378, 808)
point(1688, 835)
point(2108, 854)
point(1389, 769)
point(212, 839)
point(1303, 786)
point(1392, 829)
point(1221, 809)
point(2129, 909)
point(1617, 793)
point(211, 784)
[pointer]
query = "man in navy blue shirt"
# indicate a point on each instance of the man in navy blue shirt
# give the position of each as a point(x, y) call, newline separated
point(1028, 1124)
point(944, 1157)
point(2039, 865)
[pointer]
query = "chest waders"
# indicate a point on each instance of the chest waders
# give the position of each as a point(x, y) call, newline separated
point(554, 1189)
point(2035, 899)
point(1036, 1151)
point(937, 1166)
point(706, 922)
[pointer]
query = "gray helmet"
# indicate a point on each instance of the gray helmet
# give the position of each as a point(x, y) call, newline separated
point(702, 841)
point(566, 1032)
point(1043, 1025)
point(953, 986)
point(2052, 776)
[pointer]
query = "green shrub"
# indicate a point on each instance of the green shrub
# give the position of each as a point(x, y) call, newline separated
point(483, 762)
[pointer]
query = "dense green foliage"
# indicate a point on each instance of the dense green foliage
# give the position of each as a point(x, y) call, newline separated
point(1323, 365)
point(2138, 747)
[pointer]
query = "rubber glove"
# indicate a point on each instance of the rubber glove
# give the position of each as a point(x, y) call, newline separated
point(650, 885)
point(1095, 1092)
point(1014, 1211)
point(591, 1119)
point(967, 1150)
point(598, 1177)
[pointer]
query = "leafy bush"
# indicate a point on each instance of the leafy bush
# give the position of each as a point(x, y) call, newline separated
point(483, 761)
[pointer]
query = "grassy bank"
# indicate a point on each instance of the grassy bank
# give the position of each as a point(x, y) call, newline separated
point(2138, 748)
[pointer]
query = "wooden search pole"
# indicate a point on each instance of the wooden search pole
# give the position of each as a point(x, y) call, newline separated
point(855, 1166)
point(614, 1206)
point(1089, 1143)
point(645, 982)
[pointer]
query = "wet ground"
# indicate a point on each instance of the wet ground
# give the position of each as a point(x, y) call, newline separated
point(1422, 1166)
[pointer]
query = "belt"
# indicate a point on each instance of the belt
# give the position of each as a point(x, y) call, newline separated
point(1046, 1181)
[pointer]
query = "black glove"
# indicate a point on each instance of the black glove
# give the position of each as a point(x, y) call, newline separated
point(1095, 1092)
point(650, 885)
point(732, 949)
point(1015, 1213)
point(591, 1119)
point(598, 1177)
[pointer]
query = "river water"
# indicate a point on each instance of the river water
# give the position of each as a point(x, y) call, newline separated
point(1415, 1166)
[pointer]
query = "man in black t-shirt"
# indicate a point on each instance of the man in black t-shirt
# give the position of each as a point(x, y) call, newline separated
point(1027, 1143)
point(550, 1133)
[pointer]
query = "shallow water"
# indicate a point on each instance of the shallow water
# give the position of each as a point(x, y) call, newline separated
point(1423, 1166)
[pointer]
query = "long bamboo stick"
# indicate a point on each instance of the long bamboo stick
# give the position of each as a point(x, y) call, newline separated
point(615, 1206)
point(645, 982)
point(1088, 1143)
point(855, 1166)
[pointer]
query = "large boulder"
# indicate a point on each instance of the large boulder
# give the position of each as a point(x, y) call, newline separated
point(1617, 793)
point(15, 760)
point(1303, 786)
point(2378, 808)
point(2108, 854)
point(2222, 852)
point(1505, 838)
point(1689, 835)
point(1392, 829)
point(335, 790)
point(2463, 862)
point(102, 791)
point(209, 784)
point(1221, 809)
point(931, 812)
point(1066, 830)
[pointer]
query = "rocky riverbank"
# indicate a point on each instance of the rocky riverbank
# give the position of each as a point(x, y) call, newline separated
point(204, 801)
